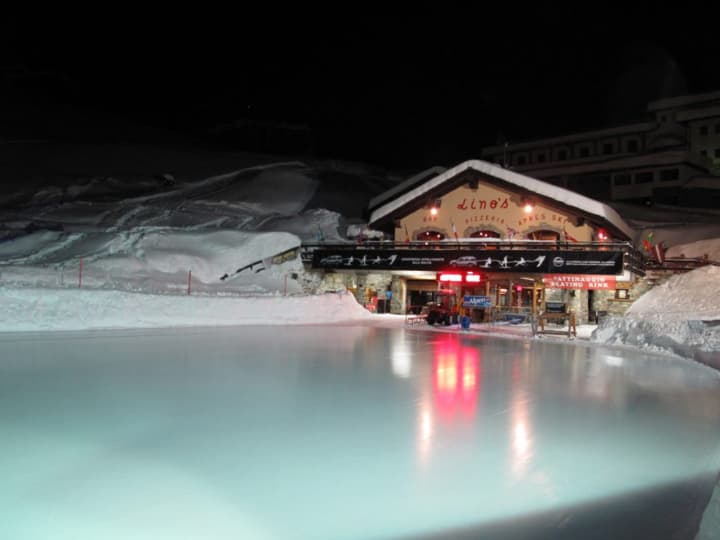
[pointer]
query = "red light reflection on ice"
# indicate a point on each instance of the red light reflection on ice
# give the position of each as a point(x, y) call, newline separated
point(456, 375)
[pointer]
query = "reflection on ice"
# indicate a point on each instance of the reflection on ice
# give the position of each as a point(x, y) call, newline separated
point(456, 368)
point(401, 355)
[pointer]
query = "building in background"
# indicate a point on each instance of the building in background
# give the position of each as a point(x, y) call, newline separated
point(671, 158)
point(497, 241)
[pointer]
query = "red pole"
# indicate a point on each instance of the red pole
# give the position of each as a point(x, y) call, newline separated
point(80, 276)
point(189, 280)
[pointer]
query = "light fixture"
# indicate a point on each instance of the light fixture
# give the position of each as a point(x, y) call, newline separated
point(528, 208)
point(433, 211)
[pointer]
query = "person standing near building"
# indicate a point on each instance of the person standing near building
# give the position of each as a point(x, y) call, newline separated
point(388, 298)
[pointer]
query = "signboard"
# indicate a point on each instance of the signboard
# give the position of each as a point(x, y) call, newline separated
point(574, 281)
point(526, 261)
point(476, 301)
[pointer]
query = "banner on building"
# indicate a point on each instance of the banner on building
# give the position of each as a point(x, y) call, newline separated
point(526, 261)
point(579, 281)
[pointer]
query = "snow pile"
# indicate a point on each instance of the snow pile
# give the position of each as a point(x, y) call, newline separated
point(154, 260)
point(61, 309)
point(679, 316)
point(701, 249)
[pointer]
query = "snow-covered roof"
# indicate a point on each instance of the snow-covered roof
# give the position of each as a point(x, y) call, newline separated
point(550, 191)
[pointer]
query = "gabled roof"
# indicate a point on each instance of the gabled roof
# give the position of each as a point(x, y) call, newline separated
point(591, 208)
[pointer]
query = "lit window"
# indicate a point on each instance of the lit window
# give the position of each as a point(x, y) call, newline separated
point(544, 235)
point(485, 234)
point(429, 236)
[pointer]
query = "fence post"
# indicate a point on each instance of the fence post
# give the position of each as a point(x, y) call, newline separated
point(80, 274)
point(189, 280)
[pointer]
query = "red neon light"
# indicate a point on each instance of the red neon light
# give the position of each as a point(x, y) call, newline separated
point(472, 278)
point(451, 277)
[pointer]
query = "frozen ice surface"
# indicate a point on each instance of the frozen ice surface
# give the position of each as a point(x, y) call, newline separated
point(332, 431)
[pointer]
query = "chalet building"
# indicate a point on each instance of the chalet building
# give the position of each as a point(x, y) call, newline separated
point(671, 158)
point(504, 240)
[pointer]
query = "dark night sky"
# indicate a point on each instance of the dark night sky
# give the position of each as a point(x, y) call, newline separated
point(399, 89)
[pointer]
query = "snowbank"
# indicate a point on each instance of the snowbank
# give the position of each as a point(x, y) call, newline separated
point(681, 316)
point(60, 309)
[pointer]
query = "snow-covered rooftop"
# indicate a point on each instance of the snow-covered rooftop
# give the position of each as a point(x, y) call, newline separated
point(561, 195)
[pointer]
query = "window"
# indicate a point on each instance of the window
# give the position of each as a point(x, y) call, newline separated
point(562, 155)
point(703, 153)
point(632, 146)
point(521, 160)
point(621, 294)
point(717, 129)
point(544, 235)
point(717, 152)
point(703, 130)
point(584, 151)
point(429, 236)
point(540, 158)
point(622, 180)
point(668, 175)
point(485, 234)
point(607, 148)
point(663, 118)
point(644, 178)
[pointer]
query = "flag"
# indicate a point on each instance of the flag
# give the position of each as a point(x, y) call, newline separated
point(647, 242)
point(569, 237)
point(454, 230)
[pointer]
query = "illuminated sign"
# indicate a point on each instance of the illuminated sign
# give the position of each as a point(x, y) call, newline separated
point(456, 277)
point(579, 281)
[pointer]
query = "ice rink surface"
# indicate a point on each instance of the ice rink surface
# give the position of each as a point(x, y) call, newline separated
point(348, 432)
